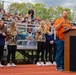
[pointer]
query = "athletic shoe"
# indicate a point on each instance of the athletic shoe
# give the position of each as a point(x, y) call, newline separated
point(13, 65)
point(50, 64)
point(47, 64)
point(59, 69)
point(1, 66)
point(54, 63)
point(38, 64)
point(9, 65)
point(42, 63)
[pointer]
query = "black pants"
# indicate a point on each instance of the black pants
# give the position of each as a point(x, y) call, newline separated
point(48, 51)
point(11, 51)
point(40, 48)
point(1, 51)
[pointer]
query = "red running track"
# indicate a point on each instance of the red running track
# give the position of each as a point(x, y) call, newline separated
point(32, 70)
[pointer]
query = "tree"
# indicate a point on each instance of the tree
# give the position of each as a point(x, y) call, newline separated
point(40, 10)
point(0, 5)
point(13, 8)
point(52, 13)
point(59, 10)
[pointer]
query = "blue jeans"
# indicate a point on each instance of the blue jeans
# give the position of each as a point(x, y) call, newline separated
point(60, 54)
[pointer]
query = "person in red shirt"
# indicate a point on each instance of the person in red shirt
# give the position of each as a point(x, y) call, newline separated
point(61, 25)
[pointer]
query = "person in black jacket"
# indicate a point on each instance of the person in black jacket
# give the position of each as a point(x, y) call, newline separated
point(31, 12)
point(2, 40)
point(50, 45)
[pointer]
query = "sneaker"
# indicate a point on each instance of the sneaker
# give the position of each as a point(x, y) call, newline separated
point(59, 69)
point(38, 64)
point(50, 63)
point(8, 65)
point(13, 65)
point(54, 63)
point(47, 63)
point(42, 63)
point(1, 66)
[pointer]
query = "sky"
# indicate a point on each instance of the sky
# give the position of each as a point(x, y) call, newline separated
point(64, 3)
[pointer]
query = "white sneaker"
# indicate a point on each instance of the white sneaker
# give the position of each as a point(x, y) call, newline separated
point(50, 63)
point(38, 64)
point(1, 66)
point(47, 64)
point(8, 65)
point(13, 65)
point(42, 63)
point(54, 63)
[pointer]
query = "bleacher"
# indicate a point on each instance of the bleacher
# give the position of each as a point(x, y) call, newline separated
point(26, 42)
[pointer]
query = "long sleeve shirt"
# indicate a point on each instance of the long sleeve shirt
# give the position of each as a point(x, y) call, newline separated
point(2, 39)
point(12, 39)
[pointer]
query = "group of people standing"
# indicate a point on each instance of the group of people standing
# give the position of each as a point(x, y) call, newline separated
point(44, 37)
point(8, 35)
point(46, 43)
point(50, 39)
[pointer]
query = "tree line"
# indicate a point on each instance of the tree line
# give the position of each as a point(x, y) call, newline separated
point(40, 10)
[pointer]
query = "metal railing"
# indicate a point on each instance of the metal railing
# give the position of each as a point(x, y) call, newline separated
point(25, 40)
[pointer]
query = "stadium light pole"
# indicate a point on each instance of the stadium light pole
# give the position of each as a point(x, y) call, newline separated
point(2, 4)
